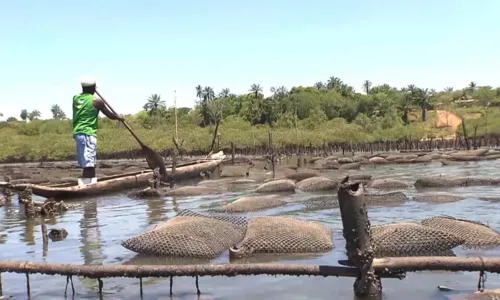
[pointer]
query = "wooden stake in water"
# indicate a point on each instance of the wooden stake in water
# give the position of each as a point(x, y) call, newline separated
point(45, 238)
point(272, 151)
point(356, 231)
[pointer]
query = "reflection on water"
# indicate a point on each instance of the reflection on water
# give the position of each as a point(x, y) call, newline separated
point(97, 227)
point(91, 247)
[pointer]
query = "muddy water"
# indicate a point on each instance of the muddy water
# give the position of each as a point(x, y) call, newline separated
point(97, 227)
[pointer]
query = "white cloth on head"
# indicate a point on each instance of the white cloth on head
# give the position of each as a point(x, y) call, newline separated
point(87, 81)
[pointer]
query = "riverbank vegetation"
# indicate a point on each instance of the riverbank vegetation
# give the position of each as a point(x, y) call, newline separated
point(325, 112)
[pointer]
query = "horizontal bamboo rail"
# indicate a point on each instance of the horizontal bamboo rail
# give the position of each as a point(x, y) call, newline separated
point(141, 271)
point(384, 265)
point(438, 263)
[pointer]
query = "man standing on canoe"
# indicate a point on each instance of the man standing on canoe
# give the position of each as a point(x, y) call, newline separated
point(86, 108)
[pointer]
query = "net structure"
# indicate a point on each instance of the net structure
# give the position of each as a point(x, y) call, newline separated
point(438, 181)
point(190, 234)
point(475, 234)
point(299, 176)
point(412, 239)
point(251, 203)
point(317, 183)
point(388, 184)
point(437, 198)
point(276, 234)
point(385, 198)
point(331, 201)
point(280, 185)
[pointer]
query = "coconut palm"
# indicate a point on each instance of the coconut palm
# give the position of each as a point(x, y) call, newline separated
point(421, 98)
point(208, 93)
point(319, 86)
point(256, 90)
point(405, 105)
point(199, 92)
point(367, 86)
point(154, 104)
point(472, 87)
point(224, 93)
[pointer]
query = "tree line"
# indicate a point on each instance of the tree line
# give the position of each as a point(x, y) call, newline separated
point(25, 115)
point(374, 107)
point(380, 106)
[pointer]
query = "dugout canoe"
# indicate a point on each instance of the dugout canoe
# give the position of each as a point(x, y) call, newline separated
point(71, 190)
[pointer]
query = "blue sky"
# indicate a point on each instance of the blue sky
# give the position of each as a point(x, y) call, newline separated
point(137, 48)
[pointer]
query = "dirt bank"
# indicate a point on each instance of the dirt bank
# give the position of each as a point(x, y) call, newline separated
point(447, 119)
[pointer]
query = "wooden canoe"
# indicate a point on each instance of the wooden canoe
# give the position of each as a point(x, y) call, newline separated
point(115, 183)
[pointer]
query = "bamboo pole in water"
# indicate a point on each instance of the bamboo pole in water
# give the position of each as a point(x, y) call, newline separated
point(386, 265)
point(140, 271)
point(356, 231)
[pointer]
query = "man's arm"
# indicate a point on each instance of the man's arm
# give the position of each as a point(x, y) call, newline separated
point(99, 104)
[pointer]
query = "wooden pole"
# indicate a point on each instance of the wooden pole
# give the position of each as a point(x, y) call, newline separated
point(356, 231)
point(466, 139)
point(141, 271)
point(45, 237)
point(232, 153)
point(475, 136)
point(212, 147)
point(272, 152)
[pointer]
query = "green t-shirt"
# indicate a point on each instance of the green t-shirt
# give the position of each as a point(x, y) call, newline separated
point(85, 115)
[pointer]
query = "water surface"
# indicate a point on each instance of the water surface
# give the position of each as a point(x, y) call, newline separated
point(97, 226)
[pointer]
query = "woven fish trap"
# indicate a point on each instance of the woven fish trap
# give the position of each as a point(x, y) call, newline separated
point(276, 186)
point(437, 198)
point(476, 234)
point(251, 203)
point(411, 239)
point(317, 183)
point(386, 198)
point(321, 202)
point(273, 234)
point(190, 234)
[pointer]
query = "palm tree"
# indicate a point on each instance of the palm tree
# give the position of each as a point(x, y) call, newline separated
point(346, 90)
point(405, 105)
point(224, 93)
point(319, 85)
point(282, 91)
point(34, 115)
point(154, 104)
point(199, 92)
point(333, 83)
point(421, 98)
point(24, 114)
point(256, 90)
point(367, 86)
point(448, 89)
point(279, 92)
point(57, 112)
point(472, 87)
point(208, 93)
